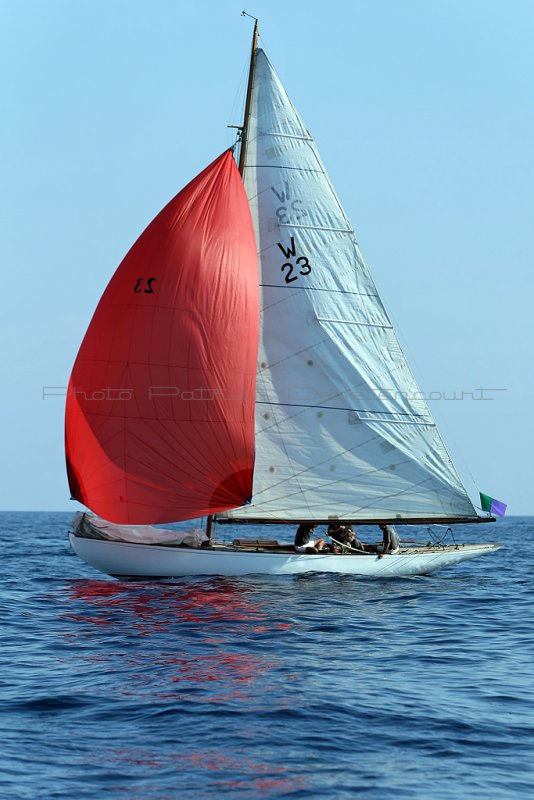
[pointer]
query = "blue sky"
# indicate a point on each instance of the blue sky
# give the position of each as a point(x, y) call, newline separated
point(424, 116)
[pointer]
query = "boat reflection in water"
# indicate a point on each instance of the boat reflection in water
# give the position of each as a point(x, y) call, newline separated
point(169, 663)
point(209, 615)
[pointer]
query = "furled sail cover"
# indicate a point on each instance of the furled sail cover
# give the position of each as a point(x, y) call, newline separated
point(341, 429)
point(160, 406)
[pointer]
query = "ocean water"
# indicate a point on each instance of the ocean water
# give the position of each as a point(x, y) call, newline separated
point(310, 687)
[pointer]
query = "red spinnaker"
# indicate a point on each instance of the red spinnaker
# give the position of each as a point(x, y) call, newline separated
point(160, 405)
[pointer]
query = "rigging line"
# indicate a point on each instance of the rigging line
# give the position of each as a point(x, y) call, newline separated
point(348, 547)
point(240, 91)
point(337, 408)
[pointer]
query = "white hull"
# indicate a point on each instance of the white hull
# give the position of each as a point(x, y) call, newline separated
point(122, 559)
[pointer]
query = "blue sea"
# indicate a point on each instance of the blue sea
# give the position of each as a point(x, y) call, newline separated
point(309, 687)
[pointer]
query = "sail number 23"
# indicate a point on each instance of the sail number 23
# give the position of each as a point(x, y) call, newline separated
point(301, 266)
point(145, 285)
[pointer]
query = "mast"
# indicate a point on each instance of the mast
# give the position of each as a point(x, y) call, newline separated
point(210, 518)
point(209, 524)
point(244, 130)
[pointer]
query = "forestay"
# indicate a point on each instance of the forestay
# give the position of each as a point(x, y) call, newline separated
point(341, 426)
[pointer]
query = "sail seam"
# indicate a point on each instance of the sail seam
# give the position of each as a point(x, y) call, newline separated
point(315, 289)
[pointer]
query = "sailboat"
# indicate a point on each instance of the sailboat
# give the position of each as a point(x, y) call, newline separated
point(241, 367)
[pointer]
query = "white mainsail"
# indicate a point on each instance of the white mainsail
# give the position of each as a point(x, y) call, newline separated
point(341, 426)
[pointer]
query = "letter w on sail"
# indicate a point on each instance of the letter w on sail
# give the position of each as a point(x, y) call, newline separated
point(288, 252)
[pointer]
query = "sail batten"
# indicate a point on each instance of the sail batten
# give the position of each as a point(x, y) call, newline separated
point(288, 136)
point(316, 228)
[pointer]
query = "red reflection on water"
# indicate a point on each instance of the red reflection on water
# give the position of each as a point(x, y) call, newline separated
point(148, 609)
point(254, 779)
point(199, 678)
point(234, 667)
point(154, 607)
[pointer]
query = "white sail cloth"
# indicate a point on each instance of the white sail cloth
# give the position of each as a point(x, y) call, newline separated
point(341, 426)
